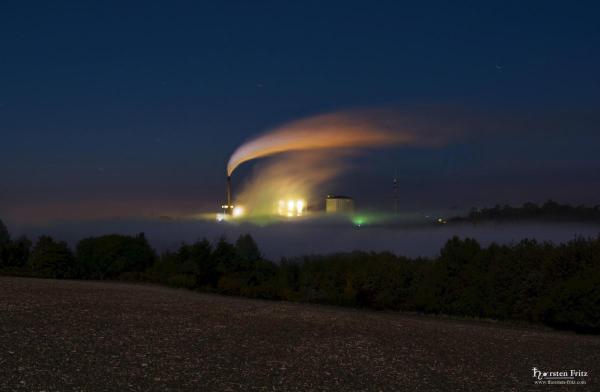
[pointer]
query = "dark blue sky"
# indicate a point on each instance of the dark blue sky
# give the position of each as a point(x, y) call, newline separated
point(113, 108)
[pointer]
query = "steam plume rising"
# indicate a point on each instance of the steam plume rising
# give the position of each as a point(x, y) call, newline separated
point(330, 131)
point(310, 153)
point(289, 176)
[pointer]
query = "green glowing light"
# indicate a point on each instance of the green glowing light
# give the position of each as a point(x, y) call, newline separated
point(358, 221)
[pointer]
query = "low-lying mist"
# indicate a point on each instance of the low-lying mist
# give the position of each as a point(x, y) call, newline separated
point(296, 238)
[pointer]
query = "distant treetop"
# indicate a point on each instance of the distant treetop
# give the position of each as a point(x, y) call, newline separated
point(4, 235)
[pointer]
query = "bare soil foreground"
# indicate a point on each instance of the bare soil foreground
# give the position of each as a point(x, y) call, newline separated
point(92, 336)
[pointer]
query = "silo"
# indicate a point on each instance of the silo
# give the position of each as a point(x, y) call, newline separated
point(338, 204)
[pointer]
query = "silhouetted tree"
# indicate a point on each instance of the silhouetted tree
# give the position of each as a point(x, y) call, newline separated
point(4, 235)
point(114, 256)
point(163, 268)
point(224, 257)
point(51, 259)
point(15, 254)
point(575, 303)
point(247, 249)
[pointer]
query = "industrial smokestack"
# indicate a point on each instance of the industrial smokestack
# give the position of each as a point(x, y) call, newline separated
point(229, 206)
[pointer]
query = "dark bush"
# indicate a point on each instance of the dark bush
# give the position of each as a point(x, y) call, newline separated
point(4, 235)
point(113, 256)
point(52, 259)
point(575, 303)
point(15, 254)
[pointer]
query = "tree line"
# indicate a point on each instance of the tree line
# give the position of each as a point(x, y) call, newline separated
point(548, 211)
point(541, 282)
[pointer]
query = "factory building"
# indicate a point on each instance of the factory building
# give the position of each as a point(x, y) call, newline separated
point(339, 204)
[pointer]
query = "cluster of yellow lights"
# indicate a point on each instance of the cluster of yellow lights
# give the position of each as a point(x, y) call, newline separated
point(233, 211)
point(291, 207)
point(237, 211)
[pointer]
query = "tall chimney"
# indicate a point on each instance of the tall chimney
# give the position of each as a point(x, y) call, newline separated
point(229, 206)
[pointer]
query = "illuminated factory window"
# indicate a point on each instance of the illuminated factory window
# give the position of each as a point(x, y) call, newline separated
point(291, 207)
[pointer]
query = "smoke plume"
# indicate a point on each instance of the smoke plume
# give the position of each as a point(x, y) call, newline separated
point(329, 131)
point(312, 152)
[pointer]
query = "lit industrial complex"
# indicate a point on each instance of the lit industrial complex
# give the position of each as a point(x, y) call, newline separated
point(290, 207)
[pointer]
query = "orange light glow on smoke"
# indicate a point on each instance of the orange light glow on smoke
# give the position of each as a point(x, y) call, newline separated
point(307, 155)
point(331, 131)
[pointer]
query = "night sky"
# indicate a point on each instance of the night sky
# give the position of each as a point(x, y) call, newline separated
point(116, 108)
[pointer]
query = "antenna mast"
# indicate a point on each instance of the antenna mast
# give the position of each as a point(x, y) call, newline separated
point(395, 187)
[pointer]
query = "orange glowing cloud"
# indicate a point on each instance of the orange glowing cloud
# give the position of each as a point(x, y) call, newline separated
point(330, 131)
